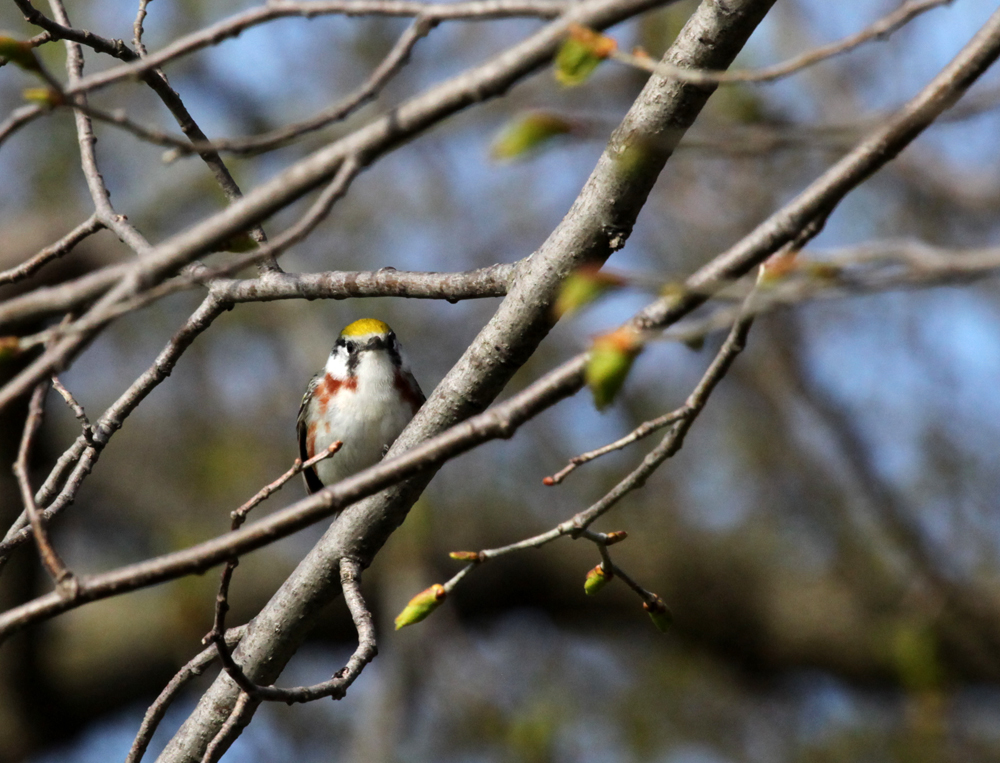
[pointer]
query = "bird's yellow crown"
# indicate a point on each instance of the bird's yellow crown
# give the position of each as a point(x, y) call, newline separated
point(366, 326)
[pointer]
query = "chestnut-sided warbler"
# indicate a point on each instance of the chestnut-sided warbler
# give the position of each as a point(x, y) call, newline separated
point(364, 396)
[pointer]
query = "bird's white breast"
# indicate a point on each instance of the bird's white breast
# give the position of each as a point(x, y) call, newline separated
point(366, 411)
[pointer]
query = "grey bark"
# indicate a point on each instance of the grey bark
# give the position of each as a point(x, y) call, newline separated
point(597, 225)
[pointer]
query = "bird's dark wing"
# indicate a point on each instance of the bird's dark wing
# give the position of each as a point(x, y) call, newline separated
point(312, 481)
point(410, 389)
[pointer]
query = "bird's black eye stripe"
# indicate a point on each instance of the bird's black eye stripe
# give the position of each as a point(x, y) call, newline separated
point(394, 350)
point(352, 358)
point(355, 348)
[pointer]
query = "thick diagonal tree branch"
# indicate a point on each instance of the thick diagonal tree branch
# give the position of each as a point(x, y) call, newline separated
point(889, 140)
point(499, 421)
point(597, 225)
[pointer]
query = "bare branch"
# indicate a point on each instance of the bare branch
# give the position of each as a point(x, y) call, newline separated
point(74, 406)
point(879, 30)
point(504, 419)
point(869, 269)
point(394, 60)
point(578, 525)
point(239, 515)
point(50, 558)
point(500, 421)
point(137, 30)
point(492, 281)
point(85, 133)
point(674, 439)
point(643, 430)
point(217, 635)
point(598, 224)
point(228, 732)
point(336, 687)
point(478, 10)
point(83, 453)
point(158, 709)
point(392, 63)
point(811, 207)
point(485, 81)
point(61, 247)
point(18, 118)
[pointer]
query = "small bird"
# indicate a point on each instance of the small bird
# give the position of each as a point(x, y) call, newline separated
point(364, 396)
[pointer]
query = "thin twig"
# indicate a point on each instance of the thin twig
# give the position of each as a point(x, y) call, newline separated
point(578, 525)
point(61, 247)
point(393, 62)
point(74, 406)
point(643, 430)
point(99, 193)
point(336, 687)
point(137, 30)
point(217, 635)
point(156, 711)
point(879, 30)
point(674, 439)
point(239, 515)
point(18, 118)
point(221, 741)
point(198, 276)
point(646, 596)
point(50, 558)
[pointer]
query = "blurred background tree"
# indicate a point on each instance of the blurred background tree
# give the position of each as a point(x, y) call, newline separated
point(827, 539)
